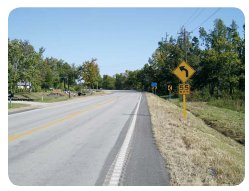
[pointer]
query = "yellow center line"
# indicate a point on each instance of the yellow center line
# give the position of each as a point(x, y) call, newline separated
point(14, 137)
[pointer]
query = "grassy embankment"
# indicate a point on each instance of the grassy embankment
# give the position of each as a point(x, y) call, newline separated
point(236, 105)
point(42, 97)
point(231, 123)
point(195, 154)
point(17, 105)
point(49, 97)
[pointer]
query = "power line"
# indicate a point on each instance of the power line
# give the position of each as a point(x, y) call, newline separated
point(193, 16)
point(197, 10)
point(216, 11)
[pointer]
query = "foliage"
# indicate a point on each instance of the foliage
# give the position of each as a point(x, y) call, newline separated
point(90, 72)
point(108, 82)
point(228, 103)
point(25, 64)
point(218, 56)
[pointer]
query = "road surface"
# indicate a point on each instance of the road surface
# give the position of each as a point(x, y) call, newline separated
point(100, 140)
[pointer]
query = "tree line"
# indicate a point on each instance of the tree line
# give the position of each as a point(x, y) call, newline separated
point(30, 67)
point(218, 56)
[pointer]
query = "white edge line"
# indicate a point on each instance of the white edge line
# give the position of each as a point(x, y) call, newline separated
point(119, 164)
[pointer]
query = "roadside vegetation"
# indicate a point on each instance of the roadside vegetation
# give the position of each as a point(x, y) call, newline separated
point(208, 149)
point(46, 97)
point(53, 96)
point(194, 153)
point(17, 105)
point(236, 104)
point(230, 123)
point(217, 55)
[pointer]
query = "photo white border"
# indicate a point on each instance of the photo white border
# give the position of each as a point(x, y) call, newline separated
point(6, 6)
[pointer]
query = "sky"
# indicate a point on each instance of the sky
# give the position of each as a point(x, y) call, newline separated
point(120, 38)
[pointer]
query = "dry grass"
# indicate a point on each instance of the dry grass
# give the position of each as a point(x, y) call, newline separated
point(194, 153)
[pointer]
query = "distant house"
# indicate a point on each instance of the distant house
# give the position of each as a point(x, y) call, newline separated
point(24, 85)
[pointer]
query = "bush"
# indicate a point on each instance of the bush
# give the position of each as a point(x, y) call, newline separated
point(228, 103)
point(199, 95)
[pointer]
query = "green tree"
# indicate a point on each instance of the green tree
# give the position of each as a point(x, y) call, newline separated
point(108, 82)
point(120, 81)
point(221, 63)
point(90, 72)
point(23, 64)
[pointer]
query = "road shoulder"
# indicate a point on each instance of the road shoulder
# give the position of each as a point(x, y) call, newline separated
point(195, 153)
point(145, 166)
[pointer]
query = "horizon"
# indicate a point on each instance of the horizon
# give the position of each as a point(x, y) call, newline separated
point(120, 38)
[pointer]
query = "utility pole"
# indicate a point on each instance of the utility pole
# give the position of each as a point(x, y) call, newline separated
point(64, 83)
point(166, 39)
point(185, 44)
point(68, 87)
point(185, 34)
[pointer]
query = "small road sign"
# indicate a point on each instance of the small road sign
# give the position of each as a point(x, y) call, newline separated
point(184, 71)
point(153, 84)
point(184, 89)
point(170, 88)
point(154, 87)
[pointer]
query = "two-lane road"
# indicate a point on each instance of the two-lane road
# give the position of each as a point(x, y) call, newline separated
point(77, 143)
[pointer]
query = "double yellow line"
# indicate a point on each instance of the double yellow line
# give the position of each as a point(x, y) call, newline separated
point(14, 137)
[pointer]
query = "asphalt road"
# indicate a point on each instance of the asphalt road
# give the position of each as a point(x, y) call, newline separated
point(79, 143)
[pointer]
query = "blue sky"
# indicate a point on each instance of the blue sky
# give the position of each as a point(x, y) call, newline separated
point(120, 38)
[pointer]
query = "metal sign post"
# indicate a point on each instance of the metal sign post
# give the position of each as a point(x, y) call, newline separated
point(183, 71)
point(154, 86)
point(10, 102)
point(10, 96)
point(184, 89)
point(184, 106)
point(170, 88)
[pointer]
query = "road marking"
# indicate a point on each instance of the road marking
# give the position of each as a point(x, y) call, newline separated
point(14, 137)
point(123, 152)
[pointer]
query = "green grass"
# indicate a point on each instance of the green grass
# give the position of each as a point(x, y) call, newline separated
point(228, 122)
point(42, 97)
point(236, 105)
point(234, 102)
point(17, 105)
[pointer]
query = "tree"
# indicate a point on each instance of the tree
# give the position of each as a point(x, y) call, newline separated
point(221, 63)
point(108, 82)
point(90, 72)
point(23, 64)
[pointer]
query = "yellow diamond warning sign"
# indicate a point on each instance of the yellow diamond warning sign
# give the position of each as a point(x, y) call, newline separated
point(184, 71)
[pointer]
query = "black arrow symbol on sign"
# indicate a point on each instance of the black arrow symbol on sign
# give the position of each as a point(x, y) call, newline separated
point(183, 68)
